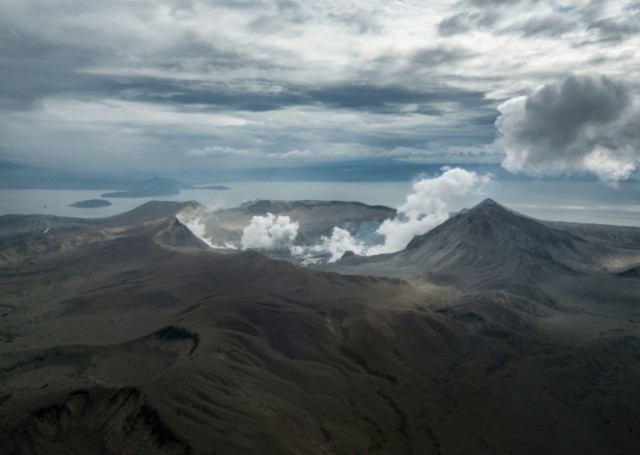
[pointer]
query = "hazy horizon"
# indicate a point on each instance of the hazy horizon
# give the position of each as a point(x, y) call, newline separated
point(583, 202)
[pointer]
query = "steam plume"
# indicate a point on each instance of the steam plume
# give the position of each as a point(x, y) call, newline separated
point(196, 221)
point(425, 208)
point(269, 233)
point(340, 242)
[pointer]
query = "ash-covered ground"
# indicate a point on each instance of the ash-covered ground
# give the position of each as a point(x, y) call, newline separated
point(491, 333)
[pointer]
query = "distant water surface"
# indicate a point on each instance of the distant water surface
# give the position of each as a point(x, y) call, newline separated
point(585, 202)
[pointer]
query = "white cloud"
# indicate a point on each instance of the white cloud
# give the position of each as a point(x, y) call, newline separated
point(579, 124)
point(607, 166)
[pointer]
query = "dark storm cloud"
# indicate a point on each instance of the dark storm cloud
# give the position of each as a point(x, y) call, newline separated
point(33, 67)
point(220, 97)
point(24, 87)
point(372, 98)
point(581, 123)
point(556, 112)
point(485, 120)
point(363, 96)
point(618, 29)
point(428, 140)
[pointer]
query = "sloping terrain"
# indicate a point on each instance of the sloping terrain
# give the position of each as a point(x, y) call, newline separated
point(132, 338)
point(492, 247)
point(15, 225)
point(490, 243)
point(582, 270)
point(497, 241)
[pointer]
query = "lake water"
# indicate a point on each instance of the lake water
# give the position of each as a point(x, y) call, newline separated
point(588, 202)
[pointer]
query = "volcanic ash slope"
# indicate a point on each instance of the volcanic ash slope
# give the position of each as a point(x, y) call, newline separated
point(128, 335)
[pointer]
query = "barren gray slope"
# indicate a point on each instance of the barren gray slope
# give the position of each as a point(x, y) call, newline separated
point(493, 246)
point(13, 225)
point(578, 279)
point(115, 340)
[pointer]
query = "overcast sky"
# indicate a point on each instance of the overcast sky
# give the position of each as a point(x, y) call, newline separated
point(543, 86)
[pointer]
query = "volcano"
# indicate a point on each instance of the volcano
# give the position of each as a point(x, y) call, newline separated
point(127, 334)
point(492, 243)
point(492, 246)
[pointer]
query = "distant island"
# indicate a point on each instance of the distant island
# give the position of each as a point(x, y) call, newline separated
point(91, 204)
point(212, 187)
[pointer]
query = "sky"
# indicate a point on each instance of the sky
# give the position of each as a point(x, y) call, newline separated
point(540, 86)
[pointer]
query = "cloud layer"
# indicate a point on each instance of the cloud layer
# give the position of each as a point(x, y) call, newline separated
point(191, 84)
point(579, 124)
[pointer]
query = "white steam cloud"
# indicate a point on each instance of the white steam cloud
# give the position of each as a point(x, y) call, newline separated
point(340, 242)
point(269, 233)
point(195, 221)
point(583, 124)
point(426, 208)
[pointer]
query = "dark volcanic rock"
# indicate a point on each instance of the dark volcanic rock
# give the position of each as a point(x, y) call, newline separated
point(96, 421)
point(177, 234)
